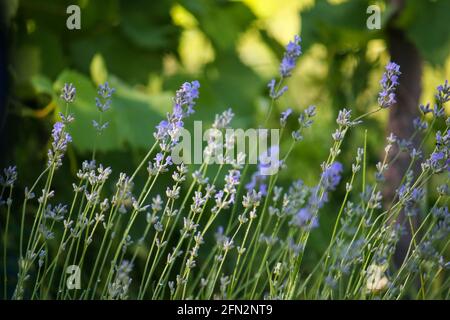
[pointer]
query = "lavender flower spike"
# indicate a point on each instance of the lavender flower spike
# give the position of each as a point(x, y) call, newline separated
point(59, 145)
point(389, 83)
point(68, 93)
point(443, 93)
point(10, 176)
point(168, 131)
point(331, 176)
point(186, 96)
point(293, 51)
point(442, 96)
point(273, 92)
point(284, 116)
point(103, 103)
point(104, 92)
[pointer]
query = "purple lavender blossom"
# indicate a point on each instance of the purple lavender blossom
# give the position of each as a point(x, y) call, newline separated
point(105, 91)
point(10, 176)
point(267, 163)
point(438, 112)
point(263, 189)
point(198, 202)
point(425, 108)
point(161, 130)
point(103, 102)
point(440, 159)
point(332, 176)
point(305, 118)
point(223, 120)
point(257, 184)
point(293, 51)
point(57, 129)
point(443, 93)
point(389, 83)
point(442, 96)
point(186, 96)
point(417, 194)
point(419, 124)
point(284, 116)
point(438, 162)
point(162, 163)
point(443, 140)
point(168, 131)
point(219, 195)
point(68, 93)
point(59, 144)
point(273, 92)
point(223, 199)
point(401, 191)
point(232, 178)
point(304, 218)
point(307, 217)
point(231, 181)
point(316, 200)
point(413, 201)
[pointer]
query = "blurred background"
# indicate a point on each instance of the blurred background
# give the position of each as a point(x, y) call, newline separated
point(146, 49)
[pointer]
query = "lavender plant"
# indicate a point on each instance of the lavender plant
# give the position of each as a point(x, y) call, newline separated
point(184, 253)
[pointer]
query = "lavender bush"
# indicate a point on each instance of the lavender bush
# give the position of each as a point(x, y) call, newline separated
point(258, 253)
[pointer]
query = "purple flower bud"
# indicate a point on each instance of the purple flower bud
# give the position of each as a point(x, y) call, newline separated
point(168, 131)
point(443, 93)
point(105, 91)
point(293, 51)
point(284, 116)
point(59, 144)
point(68, 93)
point(273, 93)
point(10, 176)
point(425, 108)
point(304, 218)
point(332, 176)
point(389, 83)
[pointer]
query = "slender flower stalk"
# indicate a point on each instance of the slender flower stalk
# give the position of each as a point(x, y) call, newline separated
point(290, 57)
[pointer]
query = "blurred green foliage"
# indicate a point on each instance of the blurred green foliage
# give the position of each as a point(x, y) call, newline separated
point(146, 49)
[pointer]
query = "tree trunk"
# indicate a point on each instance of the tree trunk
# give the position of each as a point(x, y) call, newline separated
point(401, 116)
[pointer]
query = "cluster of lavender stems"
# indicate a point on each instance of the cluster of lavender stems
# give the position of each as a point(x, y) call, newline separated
point(182, 251)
